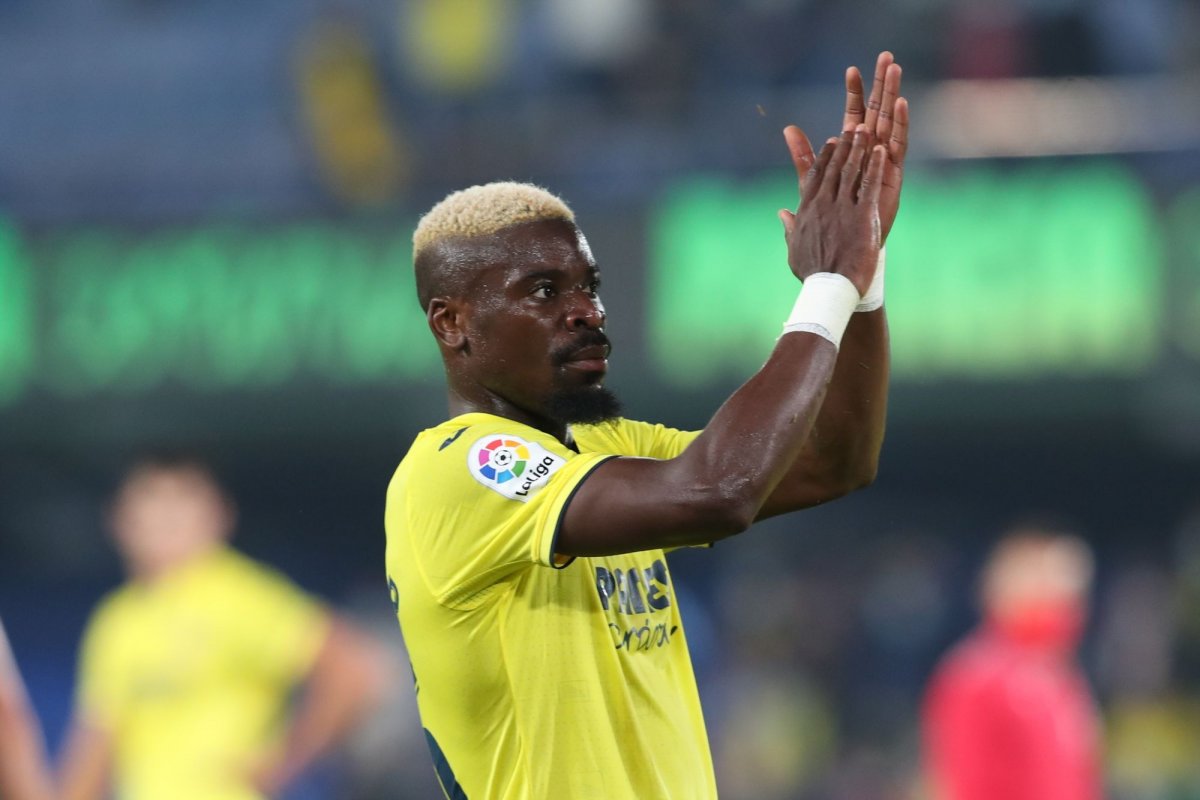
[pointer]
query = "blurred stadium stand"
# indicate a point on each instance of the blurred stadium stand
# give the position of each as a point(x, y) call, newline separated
point(204, 218)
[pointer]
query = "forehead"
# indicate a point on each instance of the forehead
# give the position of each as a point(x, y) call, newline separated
point(534, 246)
point(149, 482)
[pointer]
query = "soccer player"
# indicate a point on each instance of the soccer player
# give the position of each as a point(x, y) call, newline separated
point(23, 771)
point(186, 670)
point(1008, 714)
point(526, 534)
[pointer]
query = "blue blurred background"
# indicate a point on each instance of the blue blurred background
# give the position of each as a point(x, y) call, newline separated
point(205, 212)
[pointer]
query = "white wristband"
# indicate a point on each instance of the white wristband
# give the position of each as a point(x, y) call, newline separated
point(824, 306)
point(873, 298)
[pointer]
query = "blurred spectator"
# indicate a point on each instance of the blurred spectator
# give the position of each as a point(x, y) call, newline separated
point(23, 772)
point(457, 47)
point(988, 40)
point(1008, 714)
point(361, 154)
point(186, 670)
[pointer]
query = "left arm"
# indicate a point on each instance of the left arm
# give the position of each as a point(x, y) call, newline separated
point(24, 774)
point(842, 452)
point(347, 679)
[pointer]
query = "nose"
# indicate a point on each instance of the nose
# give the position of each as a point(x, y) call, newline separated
point(586, 312)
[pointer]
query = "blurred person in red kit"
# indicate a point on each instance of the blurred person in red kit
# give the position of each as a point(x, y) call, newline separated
point(1008, 714)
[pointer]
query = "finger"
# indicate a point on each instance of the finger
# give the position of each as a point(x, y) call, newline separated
point(873, 105)
point(891, 91)
point(897, 143)
point(855, 109)
point(852, 169)
point(800, 149)
point(812, 181)
point(873, 176)
point(833, 174)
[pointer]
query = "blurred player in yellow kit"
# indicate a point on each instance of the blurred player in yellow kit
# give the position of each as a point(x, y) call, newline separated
point(186, 671)
point(23, 772)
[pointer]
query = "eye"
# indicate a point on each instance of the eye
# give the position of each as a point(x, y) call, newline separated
point(593, 287)
point(544, 291)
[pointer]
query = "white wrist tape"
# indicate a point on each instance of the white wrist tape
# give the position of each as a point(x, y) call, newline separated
point(873, 298)
point(824, 306)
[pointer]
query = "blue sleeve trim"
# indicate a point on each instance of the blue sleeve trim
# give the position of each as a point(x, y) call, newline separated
point(563, 513)
point(445, 774)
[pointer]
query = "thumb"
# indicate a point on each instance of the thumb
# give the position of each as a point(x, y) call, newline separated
point(789, 221)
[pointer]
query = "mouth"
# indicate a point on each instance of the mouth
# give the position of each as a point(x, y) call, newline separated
point(593, 358)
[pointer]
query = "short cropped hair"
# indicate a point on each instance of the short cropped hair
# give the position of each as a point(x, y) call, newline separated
point(485, 209)
point(150, 462)
point(1033, 536)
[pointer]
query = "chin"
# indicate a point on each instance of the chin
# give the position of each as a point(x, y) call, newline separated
point(583, 405)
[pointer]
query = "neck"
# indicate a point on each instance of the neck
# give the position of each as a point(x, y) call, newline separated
point(486, 402)
point(150, 571)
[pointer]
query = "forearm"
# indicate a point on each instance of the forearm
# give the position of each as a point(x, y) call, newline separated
point(24, 774)
point(86, 764)
point(753, 440)
point(717, 486)
point(23, 770)
point(842, 452)
point(345, 682)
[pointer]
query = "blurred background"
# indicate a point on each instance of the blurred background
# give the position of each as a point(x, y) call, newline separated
point(205, 220)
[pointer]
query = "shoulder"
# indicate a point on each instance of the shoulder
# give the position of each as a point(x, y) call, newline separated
point(627, 437)
point(114, 619)
point(976, 666)
point(476, 456)
point(113, 608)
point(233, 583)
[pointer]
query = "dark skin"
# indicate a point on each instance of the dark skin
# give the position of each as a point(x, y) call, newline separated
point(842, 452)
point(534, 295)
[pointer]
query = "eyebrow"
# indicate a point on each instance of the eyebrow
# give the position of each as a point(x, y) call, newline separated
point(553, 272)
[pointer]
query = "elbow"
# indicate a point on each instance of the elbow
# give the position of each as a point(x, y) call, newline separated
point(359, 662)
point(731, 522)
point(843, 482)
point(726, 512)
point(855, 474)
point(853, 482)
point(865, 475)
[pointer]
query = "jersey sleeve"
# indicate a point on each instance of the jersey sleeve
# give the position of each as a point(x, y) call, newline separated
point(280, 628)
point(480, 509)
point(626, 437)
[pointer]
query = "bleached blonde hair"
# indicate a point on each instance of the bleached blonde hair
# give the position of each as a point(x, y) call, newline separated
point(485, 209)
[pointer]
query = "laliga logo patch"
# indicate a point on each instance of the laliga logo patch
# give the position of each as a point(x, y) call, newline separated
point(502, 459)
point(511, 466)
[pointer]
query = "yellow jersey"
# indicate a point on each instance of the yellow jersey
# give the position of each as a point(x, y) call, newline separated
point(539, 676)
point(191, 675)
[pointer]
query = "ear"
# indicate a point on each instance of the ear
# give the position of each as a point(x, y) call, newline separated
point(447, 319)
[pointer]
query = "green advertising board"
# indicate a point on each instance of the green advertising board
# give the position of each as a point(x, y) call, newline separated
point(992, 274)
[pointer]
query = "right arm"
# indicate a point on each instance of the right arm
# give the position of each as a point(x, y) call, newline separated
point(719, 484)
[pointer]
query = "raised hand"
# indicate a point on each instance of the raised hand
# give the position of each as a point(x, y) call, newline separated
point(837, 227)
point(885, 115)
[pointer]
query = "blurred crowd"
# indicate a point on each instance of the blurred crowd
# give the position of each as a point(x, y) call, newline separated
point(169, 110)
point(817, 691)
